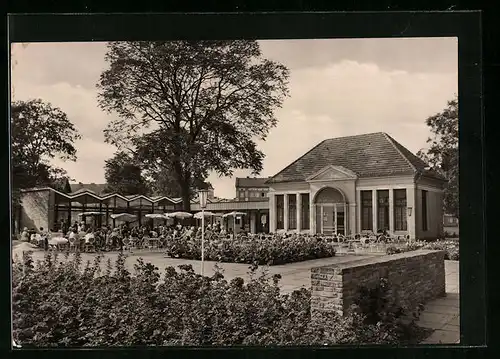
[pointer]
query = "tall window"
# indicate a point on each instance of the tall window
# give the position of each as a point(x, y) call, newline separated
point(366, 211)
point(280, 211)
point(424, 211)
point(400, 223)
point(383, 209)
point(292, 211)
point(304, 220)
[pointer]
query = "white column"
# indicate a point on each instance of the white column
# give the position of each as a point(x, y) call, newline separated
point(312, 214)
point(285, 212)
point(299, 212)
point(411, 202)
point(253, 226)
point(353, 210)
point(272, 212)
point(374, 210)
point(358, 212)
point(391, 211)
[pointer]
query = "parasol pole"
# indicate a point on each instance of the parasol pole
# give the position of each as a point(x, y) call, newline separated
point(234, 226)
point(203, 203)
point(202, 239)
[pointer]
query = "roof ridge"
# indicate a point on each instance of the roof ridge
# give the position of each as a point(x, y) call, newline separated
point(358, 135)
point(291, 164)
point(393, 144)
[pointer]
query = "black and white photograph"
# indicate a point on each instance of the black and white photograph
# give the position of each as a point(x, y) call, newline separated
point(291, 192)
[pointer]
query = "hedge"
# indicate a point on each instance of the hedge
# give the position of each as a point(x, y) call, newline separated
point(56, 304)
point(273, 250)
point(451, 248)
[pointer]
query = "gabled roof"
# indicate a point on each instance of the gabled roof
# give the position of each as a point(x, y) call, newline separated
point(252, 182)
point(103, 197)
point(97, 188)
point(368, 155)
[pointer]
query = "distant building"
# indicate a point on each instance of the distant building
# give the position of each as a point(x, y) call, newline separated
point(450, 221)
point(251, 188)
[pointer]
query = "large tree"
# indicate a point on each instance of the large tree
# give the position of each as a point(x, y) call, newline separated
point(191, 107)
point(124, 175)
point(39, 133)
point(163, 183)
point(442, 154)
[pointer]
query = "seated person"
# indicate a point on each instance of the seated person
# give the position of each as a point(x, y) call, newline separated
point(25, 236)
point(89, 236)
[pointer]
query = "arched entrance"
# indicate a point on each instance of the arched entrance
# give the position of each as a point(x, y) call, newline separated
point(331, 211)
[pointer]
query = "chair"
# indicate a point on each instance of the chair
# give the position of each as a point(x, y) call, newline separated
point(126, 244)
point(72, 244)
point(90, 245)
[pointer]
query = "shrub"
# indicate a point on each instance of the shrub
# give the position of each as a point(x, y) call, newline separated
point(56, 304)
point(395, 322)
point(451, 248)
point(273, 250)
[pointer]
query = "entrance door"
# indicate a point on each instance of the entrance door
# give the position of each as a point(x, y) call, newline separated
point(340, 219)
point(328, 219)
point(331, 218)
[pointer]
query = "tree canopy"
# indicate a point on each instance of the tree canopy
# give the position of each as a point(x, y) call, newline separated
point(442, 154)
point(191, 107)
point(39, 133)
point(124, 176)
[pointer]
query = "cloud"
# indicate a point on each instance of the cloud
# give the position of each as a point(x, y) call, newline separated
point(349, 98)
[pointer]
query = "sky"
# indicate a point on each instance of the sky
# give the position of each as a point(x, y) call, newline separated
point(338, 87)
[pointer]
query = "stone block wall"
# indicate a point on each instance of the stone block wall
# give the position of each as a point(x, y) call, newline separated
point(413, 277)
point(35, 211)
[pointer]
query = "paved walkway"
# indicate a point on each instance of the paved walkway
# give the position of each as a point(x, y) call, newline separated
point(442, 315)
point(293, 275)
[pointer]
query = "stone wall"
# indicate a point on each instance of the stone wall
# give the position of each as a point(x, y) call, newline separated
point(35, 209)
point(414, 277)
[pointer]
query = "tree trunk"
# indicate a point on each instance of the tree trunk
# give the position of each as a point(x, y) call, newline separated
point(186, 196)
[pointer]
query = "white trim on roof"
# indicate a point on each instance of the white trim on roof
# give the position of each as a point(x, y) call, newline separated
point(101, 198)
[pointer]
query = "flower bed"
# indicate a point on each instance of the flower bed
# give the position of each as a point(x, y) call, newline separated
point(451, 248)
point(57, 304)
point(263, 251)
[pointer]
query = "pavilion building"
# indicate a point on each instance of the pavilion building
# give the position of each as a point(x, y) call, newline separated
point(356, 184)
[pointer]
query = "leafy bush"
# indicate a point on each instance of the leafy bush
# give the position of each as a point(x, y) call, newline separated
point(450, 234)
point(273, 250)
point(451, 248)
point(56, 304)
point(393, 320)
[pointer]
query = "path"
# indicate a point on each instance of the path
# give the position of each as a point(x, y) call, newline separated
point(443, 314)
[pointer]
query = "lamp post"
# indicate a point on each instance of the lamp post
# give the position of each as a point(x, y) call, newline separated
point(203, 204)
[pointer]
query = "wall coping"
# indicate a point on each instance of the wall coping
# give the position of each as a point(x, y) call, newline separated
point(356, 263)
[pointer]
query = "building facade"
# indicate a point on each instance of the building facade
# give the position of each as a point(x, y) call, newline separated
point(48, 208)
point(356, 184)
point(251, 188)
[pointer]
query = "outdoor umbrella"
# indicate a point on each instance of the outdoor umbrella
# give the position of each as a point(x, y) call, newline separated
point(126, 217)
point(234, 215)
point(156, 216)
point(206, 213)
point(180, 215)
point(90, 214)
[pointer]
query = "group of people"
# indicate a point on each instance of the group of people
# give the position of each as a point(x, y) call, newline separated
point(82, 236)
point(106, 238)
